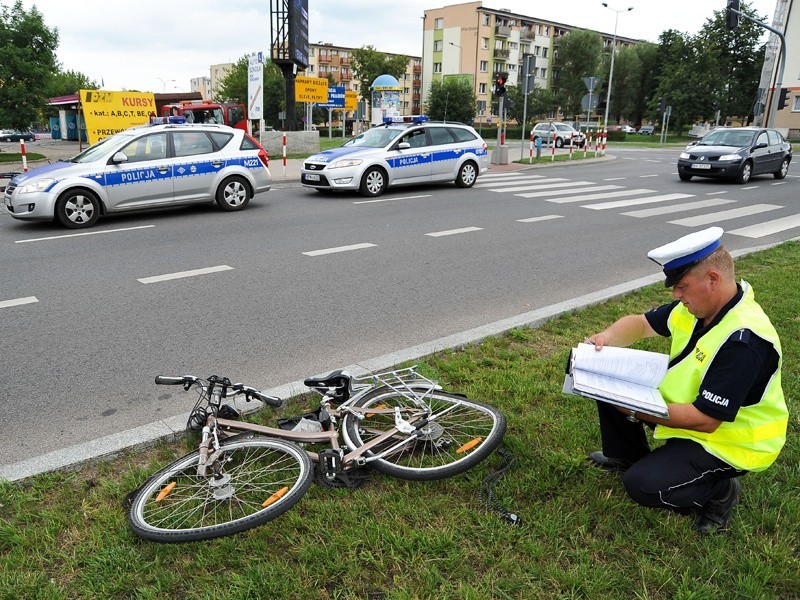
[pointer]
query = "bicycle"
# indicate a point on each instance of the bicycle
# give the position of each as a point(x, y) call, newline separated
point(242, 475)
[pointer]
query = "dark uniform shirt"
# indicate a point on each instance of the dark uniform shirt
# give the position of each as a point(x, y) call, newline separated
point(740, 371)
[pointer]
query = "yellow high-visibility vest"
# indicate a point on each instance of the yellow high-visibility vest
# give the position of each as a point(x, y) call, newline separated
point(753, 441)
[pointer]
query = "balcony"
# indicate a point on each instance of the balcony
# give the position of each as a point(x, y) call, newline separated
point(417, 68)
point(501, 53)
point(415, 96)
point(417, 82)
point(344, 60)
point(345, 76)
point(326, 58)
point(502, 31)
point(526, 34)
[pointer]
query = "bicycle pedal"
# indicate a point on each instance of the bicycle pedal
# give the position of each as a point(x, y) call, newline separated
point(330, 462)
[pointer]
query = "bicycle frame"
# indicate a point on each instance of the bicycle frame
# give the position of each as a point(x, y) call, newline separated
point(331, 435)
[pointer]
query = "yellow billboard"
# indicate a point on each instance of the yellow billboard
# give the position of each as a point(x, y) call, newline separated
point(106, 113)
point(311, 89)
point(350, 100)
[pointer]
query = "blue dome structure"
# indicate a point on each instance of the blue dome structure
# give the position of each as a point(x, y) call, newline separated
point(385, 82)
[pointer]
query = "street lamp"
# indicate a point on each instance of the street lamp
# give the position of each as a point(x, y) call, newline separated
point(613, 53)
point(164, 83)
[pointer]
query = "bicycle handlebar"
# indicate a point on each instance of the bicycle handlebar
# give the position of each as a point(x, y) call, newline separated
point(237, 388)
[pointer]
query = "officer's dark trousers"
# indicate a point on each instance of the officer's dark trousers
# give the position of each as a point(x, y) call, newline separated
point(680, 475)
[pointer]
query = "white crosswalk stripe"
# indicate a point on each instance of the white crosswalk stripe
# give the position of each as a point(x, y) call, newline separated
point(725, 215)
point(635, 201)
point(768, 227)
point(586, 190)
point(544, 186)
point(510, 182)
point(673, 208)
point(600, 196)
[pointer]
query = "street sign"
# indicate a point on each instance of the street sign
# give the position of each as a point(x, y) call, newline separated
point(311, 89)
point(590, 101)
point(336, 96)
point(255, 83)
point(590, 83)
point(350, 100)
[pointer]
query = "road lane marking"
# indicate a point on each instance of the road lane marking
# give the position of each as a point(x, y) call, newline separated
point(715, 193)
point(69, 235)
point(599, 196)
point(182, 274)
point(665, 210)
point(339, 249)
point(512, 181)
point(778, 183)
point(392, 199)
point(542, 186)
point(454, 231)
point(535, 219)
point(750, 187)
point(614, 178)
point(643, 176)
point(550, 193)
point(635, 201)
point(768, 228)
point(724, 215)
point(18, 301)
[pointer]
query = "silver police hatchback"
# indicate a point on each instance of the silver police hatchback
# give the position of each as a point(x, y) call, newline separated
point(144, 167)
point(404, 150)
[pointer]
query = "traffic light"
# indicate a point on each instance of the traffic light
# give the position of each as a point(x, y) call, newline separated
point(662, 104)
point(733, 17)
point(783, 99)
point(500, 80)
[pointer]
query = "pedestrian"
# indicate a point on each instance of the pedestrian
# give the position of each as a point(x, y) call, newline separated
point(727, 413)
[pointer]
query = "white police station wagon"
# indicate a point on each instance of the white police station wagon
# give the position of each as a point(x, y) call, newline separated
point(404, 150)
point(144, 167)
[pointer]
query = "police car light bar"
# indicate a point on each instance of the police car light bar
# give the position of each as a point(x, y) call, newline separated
point(407, 119)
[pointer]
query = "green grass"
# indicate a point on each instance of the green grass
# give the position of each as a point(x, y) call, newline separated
point(11, 157)
point(66, 536)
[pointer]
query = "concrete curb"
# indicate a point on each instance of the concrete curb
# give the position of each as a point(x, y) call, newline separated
point(173, 428)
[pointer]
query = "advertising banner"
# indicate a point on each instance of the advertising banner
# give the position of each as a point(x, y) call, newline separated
point(107, 113)
point(335, 97)
point(311, 89)
point(255, 86)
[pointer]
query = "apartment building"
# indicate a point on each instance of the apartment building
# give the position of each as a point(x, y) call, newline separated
point(786, 19)
point(475, 41)
point(218, 73)
point(201, 85)
point(328, 59)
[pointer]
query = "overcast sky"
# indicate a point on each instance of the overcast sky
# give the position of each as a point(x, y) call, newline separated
point(159, 46)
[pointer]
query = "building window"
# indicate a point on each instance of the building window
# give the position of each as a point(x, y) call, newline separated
point(485, 43)
point(512, 45)
point(437, 45)
point(405, 90)
point(485, 67)
point(796, 103)
point(512, 67)
point(544, 52)
point(482, 89)
point(543, 73)
point(485, 20)
point(546, 31)
point(439, 23)
point(437, 67)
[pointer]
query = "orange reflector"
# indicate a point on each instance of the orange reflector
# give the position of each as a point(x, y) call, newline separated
point(469, 446)
point(165, 492)
point(275, 497)
point(379, 407)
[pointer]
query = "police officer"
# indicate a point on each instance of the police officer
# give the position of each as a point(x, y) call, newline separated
point(727, 413)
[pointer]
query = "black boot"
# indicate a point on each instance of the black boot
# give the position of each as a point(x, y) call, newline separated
point(717, 514)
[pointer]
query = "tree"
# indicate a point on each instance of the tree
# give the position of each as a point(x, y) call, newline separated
point(66, 83)
point(540, 104)
point(451, 100)
point(368, 64)
point(578, 56)
point(27, 61)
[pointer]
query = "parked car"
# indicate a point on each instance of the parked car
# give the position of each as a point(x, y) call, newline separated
point(628, 129)
point(736, 153)
point(144, 167)
point(560, 132)
point(11, 135)
point(404, 150)
point(646, 130)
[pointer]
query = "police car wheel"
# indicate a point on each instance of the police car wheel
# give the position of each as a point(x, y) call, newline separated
point(373, 183)
point(233, 194)
point(77, 209)
point(559, 142)
point(467, 175)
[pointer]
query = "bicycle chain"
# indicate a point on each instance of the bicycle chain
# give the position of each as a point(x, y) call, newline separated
point(490, 502)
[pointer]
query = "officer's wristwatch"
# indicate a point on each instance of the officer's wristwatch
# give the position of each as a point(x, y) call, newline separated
point(632, 417)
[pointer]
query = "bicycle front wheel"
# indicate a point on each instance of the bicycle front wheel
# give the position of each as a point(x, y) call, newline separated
point(252, 481)
point(459, 433)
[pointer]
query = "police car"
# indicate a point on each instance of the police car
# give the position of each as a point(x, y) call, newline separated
point(404, 150)
point(144, 167)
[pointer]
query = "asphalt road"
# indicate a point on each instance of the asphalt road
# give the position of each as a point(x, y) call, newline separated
point(302, 283)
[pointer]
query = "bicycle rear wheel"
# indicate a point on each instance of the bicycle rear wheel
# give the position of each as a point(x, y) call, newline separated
point(459, 434)
point(258, 480)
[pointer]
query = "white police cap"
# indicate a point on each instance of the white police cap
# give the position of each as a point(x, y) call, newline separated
point(681, 255)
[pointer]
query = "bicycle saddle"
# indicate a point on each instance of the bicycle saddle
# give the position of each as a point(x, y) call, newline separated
point(339, 380)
